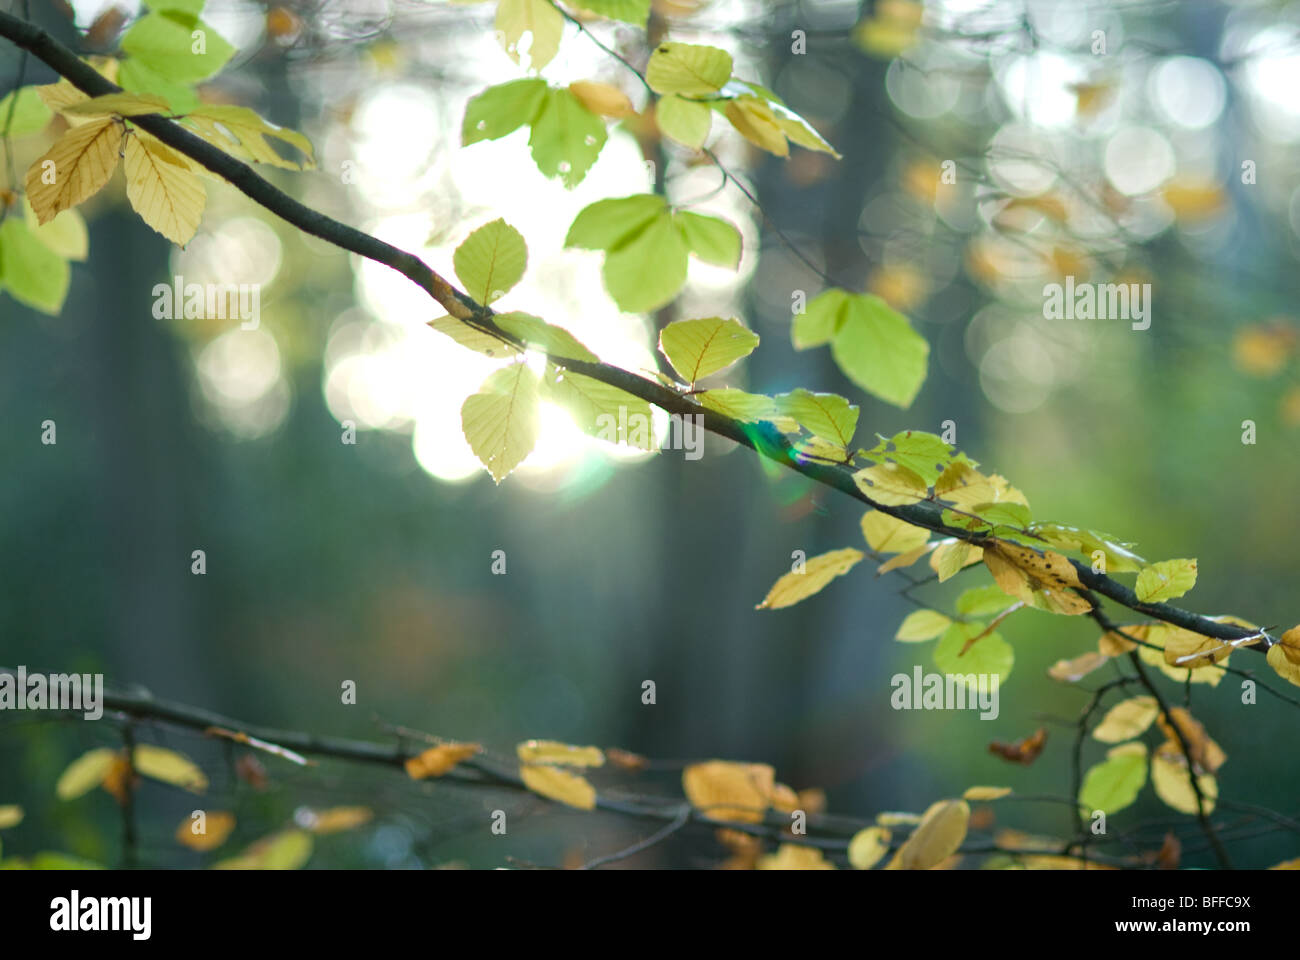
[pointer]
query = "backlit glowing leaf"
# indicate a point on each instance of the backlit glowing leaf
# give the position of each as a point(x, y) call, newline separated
point(1165, 580)
point(692, 70)
point(817, 572)
point(500, 422)
point(536, 19)
point(698, 348)
point(491, 261)
point(163, 190)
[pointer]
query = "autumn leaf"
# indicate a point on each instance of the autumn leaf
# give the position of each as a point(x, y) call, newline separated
point(937, 837)
point(794, 856)
point(1127, 720)
point(163, 190)
point(216, 826)
point(75, 168)
point(1165, 580)
point(729, 791)
point(552, 751)
point(557, 784)
point(439, 760)
point(333, 820)
point(1024, 751)
point(868, 847)
point(815, 574)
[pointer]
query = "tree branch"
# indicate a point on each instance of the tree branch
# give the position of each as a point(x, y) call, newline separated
point(763, 438)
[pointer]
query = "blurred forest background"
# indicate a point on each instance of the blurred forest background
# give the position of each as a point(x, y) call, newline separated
point(371, 562)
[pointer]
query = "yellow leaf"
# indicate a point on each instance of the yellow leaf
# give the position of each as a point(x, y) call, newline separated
point(436, 761)
point(1042, 580)
point(1280, 660)
point(868, 846)
point(500, 422)
point(169, 767)
point(937, 837)
point(75, 168)
point(894, 818)
point(729, 791)
point(1127, 720)
point(163, 190)
point(904, 559)
point(1173, 782)
point(118, 104)
point(1263, 350)
point(794, 856)
point(563, 786)
point(225, 125)
point(986, 793)
point(552, 751)
point(950, 557)
point(216, 828)
point(1287, 865)
point(784, 798)
point(754, 120)
point(1194, 198)
point(10, 815)
point(602, 98)
point(1165, 580)
point(891, 484)
point(886, 534)
point(286, 850)
point(333, 820)
point(85, 773)
point(922, 625)
point(815, 574)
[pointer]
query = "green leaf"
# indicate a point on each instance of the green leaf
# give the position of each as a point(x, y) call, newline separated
point(66, 235)
point(1003, 513)
point(555, 341)
point(194, 7)
point(500, 421)
point(711, 239)
point(134, 76)
point(698, 348)
point(824, 415)
point(1165, 580)
point(689, 69)
point(177, 45)
point(30, 114)
point(608, 224)
point(119, 104)
point(922, 625)
point(983, 601)
point(1114, 784)
point(601, 410)
point(1119, 555)
point(878, 350)
point(629, 11)
point(537, 19)
point(566, 138)
point(647, 272)
point(503, 109)
point(31, 272)
point(990, 655)
point(686, 121)
point(491, 261)
point(473, 338)
point(738, 405)
point(925, 454)
point(820, 320)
